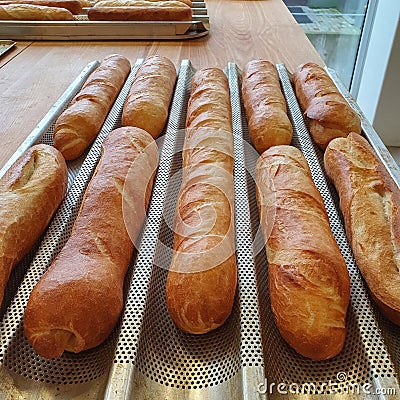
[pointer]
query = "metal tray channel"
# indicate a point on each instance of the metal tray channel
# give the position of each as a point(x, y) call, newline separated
point(121, 381)
point(244, 359)
point(183, 365)
point(250, 294)
point(365, 359)
point(43, 133)
point(20, 366)
point(83, 29)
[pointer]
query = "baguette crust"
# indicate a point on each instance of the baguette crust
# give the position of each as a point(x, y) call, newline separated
point(142, 11)
point(30, 192)
point(149, 98)
point(265, 106)
point(329, 114)
point(370, 204)
point(308, 279)
point(74, 6)
point(129, 3)
point(77, 127)
point(77, 302)
point(201, 282)
point(30, 12)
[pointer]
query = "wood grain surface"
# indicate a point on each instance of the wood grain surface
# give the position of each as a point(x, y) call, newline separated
point(35, 76)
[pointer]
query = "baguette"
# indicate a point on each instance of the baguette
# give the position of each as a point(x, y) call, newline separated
point(142, 10)
point(149, 98)
point(77, 127)
point(201, 282)
point(30, 192)
point(370, 204)
point(30, 12)
point(329, 114)
point(265, 106)
point(77, 302)
point(129, 3)
point(74, 6)
point(308, 279)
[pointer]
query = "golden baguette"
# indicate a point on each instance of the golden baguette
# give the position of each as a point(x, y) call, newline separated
point(308, 279)
point(201, 282)
point(77, 302)
point(370, 204)
point(149, 98)
point(130, 3)
point(329, 114)
point(79, 124)
point(30, 192)
point(74, 6)
point(31, 12)
point(142, 11)
point(265, 106)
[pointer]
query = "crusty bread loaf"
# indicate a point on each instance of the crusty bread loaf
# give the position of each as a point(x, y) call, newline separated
point(30, 192)
point(149, 98)
point(265, 106)
point(74, 6)
point(129, 3)
point(370, 203)
point(201, 282)
point(329, 114)
point(79, 124)
point(308, 279)
point(77, 302)
point(142, 10)
point(30, 12)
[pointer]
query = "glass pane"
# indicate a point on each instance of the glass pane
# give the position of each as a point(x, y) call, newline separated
point(334, 28)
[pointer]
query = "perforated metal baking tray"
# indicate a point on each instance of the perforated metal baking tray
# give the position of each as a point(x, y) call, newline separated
point(146, 356)
point(83, 29)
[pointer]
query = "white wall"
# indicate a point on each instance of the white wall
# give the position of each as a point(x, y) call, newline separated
point(377, 56)
point(386, 121)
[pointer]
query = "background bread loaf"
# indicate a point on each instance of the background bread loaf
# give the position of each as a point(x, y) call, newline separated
point(77, 302)
point(141, 10)
point(130, 3)
point(30, 192)
point(308, 279)
point(329, 114)
point(79, 124)
point(370, 204)
point(74, 6)
point(202, 278)
point(31, 12)
point(265, 106)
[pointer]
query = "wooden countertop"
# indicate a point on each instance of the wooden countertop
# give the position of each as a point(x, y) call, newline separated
point(35, 74)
